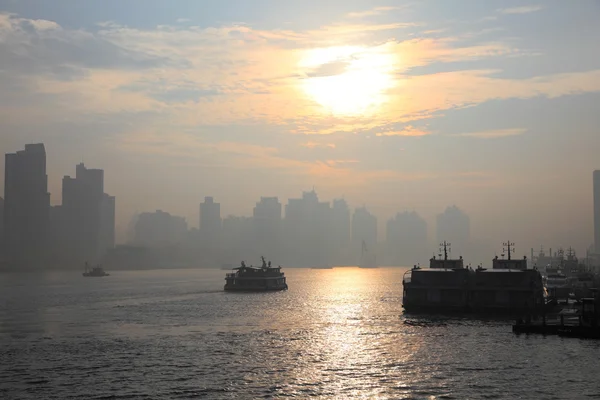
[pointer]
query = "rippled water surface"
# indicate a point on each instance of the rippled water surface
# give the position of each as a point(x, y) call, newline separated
point(337, 333)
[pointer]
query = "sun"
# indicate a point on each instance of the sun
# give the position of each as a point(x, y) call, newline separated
point(348, 80)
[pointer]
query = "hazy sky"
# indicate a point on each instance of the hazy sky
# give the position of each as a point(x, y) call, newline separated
point(490, 105)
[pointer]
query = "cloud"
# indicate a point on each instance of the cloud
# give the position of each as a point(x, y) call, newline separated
point(372, 12)
point(520, 10)
point(313, 145)
point(494, 134)
point(408, 131)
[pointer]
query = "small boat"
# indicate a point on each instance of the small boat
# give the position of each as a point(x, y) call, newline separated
point(256, 279)
point(96, 271)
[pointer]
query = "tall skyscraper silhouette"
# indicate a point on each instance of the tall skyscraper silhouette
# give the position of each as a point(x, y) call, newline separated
point(27, 207)
point(597, 212)
point(210, 221)
point(307, 223)
point(87, 217)
point(406, 239)
point(1, 229)
point(340, 232)
point(454, 226)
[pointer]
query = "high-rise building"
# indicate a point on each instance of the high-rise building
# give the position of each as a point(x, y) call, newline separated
point(210, 221)
point(364, 229)
point(237, 238)
point(88, 217)
point(340, 232)
point(406, 239)
point(159, 229)
point(597, 212)
point(266, 221)
point(307, 226)
point(454, 226)
point(26, 207)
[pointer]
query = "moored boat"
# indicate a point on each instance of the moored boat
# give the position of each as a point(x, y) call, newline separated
point(96, 271)
point(256, 279)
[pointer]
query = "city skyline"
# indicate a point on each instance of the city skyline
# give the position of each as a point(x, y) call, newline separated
point(400, 105)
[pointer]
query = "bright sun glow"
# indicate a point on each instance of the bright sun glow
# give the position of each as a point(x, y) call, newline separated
point(348, 80)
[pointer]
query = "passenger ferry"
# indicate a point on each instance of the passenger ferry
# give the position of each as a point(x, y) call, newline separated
point(255, 279)
point(448, 285)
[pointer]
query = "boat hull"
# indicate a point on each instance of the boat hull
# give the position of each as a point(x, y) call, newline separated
point(235, 288)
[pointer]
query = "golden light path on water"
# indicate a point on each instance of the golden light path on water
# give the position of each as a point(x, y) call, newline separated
point(348, 80)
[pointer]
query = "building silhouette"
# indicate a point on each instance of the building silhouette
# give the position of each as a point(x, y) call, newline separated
point(364, 228)
point(237, 240)
point(454, 226)
point(307, 225)
point(210, 221)
point(597, 212)
point(406, 239)
point(340, 232)
point(160, 229)
point(26, 207)
point(267, 227)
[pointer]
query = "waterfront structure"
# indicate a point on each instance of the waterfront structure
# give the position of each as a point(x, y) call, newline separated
point(26, 207)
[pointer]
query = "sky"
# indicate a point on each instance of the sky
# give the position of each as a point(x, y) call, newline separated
point(399, 105)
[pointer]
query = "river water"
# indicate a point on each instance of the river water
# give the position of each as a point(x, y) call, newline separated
point(340, 333)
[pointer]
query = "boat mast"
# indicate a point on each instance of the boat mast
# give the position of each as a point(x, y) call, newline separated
point(509, 248)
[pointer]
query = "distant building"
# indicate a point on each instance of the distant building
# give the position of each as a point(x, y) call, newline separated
point(210, 221)
point(340, 232)
point(88, 217)
point(26, 207)
point(159, 229)
point(267, 227)
point(597, 212)
point(364, 228)
point(406, 239)
point(454, 226)
point(307, 230)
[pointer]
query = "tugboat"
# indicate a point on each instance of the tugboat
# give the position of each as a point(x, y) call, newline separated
point(96, 271)
point(255, 279)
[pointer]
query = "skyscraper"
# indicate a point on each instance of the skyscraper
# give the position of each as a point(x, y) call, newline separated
point(340, 232)
point(454, 226)
point(1, 229)
point(159, 229)
point(26, 207)
point(597, 212)
point(210, 221)
point(406, 239)
point(87, 217)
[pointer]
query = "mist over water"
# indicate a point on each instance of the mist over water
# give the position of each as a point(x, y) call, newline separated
point(337, 333)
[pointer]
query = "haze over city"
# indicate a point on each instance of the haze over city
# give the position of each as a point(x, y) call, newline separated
point(399, 106)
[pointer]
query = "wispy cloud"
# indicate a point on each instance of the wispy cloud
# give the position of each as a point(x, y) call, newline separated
point(408, 131)
point(520, 10)
point(372, 12)
point(313, 145)
point(494, 134)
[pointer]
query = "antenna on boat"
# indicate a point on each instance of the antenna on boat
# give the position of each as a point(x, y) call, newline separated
point(510, 247)
point(446, 247)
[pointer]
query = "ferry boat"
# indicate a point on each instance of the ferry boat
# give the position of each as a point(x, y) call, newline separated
point(448, 285)
point(442, 286)
point(256, 279)
point(96, 271)
point(367, 260)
